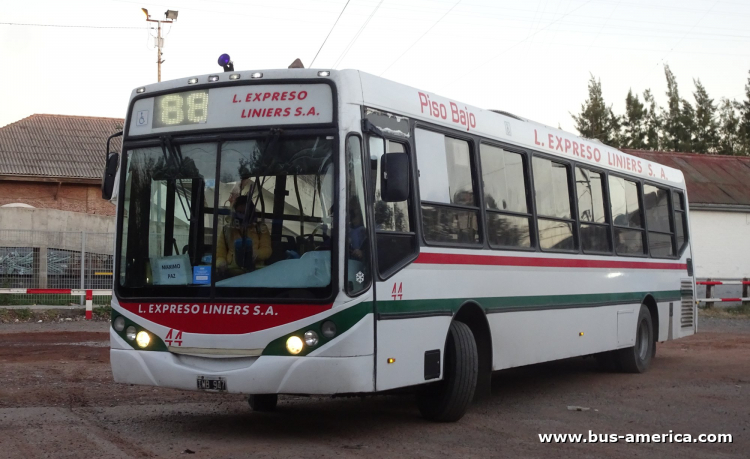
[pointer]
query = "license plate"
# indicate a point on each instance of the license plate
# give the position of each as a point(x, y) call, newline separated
point(215, 383)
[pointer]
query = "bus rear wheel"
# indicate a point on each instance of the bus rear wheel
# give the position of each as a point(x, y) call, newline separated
point(637, 359)
point(448, 400)
point(263, 402)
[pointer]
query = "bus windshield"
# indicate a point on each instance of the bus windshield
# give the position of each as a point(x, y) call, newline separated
point(257, 223)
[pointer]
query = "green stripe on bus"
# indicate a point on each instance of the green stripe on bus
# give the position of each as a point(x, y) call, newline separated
point(520, 302)
point(344, 320)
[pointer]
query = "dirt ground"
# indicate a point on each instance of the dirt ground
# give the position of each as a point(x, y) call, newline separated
point(57, 400)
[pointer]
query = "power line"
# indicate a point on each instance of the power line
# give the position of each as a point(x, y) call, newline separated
point(420, 38)
point(69, 26)
point(351, 43)
point(329, 33)
point(525, 39)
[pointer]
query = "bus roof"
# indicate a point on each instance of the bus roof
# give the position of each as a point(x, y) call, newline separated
point(357, 87)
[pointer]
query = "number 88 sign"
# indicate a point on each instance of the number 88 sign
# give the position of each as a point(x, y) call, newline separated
point(181, 108)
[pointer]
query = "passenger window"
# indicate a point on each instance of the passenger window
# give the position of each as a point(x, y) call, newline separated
point(554, 218)
point(594, 229)
point(680, 223)
point(395, 239)
point(626, 216)
point(505, 197)
point(660, 236)
point(449, 206)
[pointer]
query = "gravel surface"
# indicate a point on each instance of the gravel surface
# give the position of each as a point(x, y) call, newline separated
point(57, 400)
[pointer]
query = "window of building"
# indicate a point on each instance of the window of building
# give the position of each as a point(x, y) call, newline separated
point(505, 197)
point(554, 218)
point(626, 216)
point(594, 228)
point(450, 213)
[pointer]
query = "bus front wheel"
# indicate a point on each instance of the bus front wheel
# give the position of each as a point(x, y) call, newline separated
point(263, 402)
point(637, 359)
point(447, 400)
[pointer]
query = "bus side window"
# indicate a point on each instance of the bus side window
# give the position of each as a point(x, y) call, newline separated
point(395, 238)
point(554, 218)
point(594, 227)
point(450, 214)
point(626, 216)
point(660, 235)
point(680, 225)
point(357, 244)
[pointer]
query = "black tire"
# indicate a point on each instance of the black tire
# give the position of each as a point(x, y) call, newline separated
point(637, 359)
point(263, 402)
point(447, 400)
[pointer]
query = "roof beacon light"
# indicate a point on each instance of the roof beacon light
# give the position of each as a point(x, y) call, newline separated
point(213, 78)
point(324, 73)
point(256, 75)
point(226, 63)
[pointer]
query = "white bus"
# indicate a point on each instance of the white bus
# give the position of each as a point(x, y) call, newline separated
point(330, 232)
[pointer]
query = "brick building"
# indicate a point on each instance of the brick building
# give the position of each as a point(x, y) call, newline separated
point(56, 162)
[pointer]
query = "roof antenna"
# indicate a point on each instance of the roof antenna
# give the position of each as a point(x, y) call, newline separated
point(297, 64)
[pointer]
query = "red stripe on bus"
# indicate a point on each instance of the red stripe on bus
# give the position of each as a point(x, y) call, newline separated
point(462, 259)
point(64, 291)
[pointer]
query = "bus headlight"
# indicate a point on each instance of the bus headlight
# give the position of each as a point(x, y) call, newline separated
point(119, 323)
point(329, 329)
point(311, 338)
point(130, 333)
point(142, 339)
point(294, 345)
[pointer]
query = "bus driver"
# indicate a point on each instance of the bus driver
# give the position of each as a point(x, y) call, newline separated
point(242, 249)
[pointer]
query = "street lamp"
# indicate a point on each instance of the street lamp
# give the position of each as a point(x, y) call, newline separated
point(171, 16)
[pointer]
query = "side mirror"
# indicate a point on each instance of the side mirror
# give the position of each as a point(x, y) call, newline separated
point(108, 179)
point(394, 179)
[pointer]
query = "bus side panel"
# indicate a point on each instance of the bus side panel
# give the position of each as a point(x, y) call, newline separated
point(527, 337)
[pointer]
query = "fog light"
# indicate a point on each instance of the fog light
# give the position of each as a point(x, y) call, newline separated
point(142, 339)
point(130, 333)
point(324, 73)
point(294, 345)
point(119, 323)
point(311, 338)
point(235, 76)
point(256, 75)
point(140, 90)
point(329, 329)
point(192, 80)
point(213, 78)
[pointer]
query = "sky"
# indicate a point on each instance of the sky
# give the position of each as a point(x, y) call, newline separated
point(532, 58)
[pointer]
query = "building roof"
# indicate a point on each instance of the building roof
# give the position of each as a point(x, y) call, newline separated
point(57, 146)
point(712, 180)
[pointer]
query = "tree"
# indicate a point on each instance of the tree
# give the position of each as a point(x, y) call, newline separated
point(706, 126)
point(677, 125)
point(634, 123)
point(729, 129)
point(653, 121)
point(596, 120)
point(744, 120)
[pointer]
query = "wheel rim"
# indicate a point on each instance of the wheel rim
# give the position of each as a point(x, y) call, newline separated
point(643, 341)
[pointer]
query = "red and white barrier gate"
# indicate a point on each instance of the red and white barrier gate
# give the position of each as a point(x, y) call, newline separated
point(89, 293)
point(710, 283)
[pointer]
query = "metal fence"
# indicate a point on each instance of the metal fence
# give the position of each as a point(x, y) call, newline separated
point(55, 260)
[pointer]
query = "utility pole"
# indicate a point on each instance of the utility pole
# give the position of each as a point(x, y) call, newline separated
point(171, 16)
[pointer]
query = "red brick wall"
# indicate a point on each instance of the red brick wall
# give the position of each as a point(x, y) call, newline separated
point(70, 196)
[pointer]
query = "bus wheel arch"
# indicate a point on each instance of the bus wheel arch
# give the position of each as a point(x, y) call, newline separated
point(475, 318)
point(650, 303)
